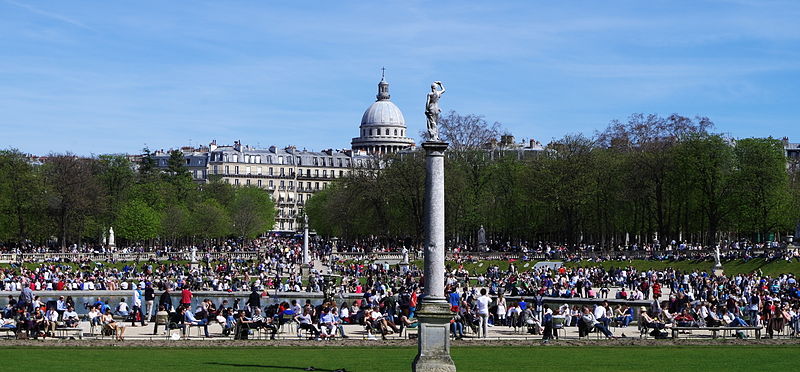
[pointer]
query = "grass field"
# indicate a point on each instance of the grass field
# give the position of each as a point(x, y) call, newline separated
point(731, 267)
point(551, 358)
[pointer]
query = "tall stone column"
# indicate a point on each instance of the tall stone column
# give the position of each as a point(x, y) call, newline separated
point(434, 311)
point(306, 259)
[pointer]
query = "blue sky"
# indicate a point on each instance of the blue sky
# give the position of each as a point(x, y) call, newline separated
point(96, 77)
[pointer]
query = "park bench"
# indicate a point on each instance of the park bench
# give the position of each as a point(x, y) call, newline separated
point(64, 332)
point(715, 330)
point(10, 332)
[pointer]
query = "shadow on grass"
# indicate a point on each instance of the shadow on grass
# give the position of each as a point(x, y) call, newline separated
point(274, 367)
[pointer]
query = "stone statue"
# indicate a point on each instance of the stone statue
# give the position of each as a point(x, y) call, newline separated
point(111, 237)
point(405, 256)
point(481, 237)
point(716, 255)
point(194, 254)
point(432, 110)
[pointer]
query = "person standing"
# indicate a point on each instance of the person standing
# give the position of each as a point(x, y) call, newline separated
point(149, 297)
point(483, 313)
point(186, 297)
point(137, 306)
point(165, 300)
point(254, 301)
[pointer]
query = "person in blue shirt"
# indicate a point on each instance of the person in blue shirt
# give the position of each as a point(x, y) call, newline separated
point(522, 304)
point(453, 298)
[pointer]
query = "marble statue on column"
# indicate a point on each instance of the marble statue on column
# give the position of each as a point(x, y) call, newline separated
point(432, 110)
point(481, 238)
point(111, 242)
point(717, 269)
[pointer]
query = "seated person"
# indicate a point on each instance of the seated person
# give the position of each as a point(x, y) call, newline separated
point(406, 320)
point(685, 319)
point(327, 323)
point(713, 319)
point(71, 319)
point(732, 320)
point(189, 318)
point(122, 309)
point(108, 321)
point(592, 323)
point(94, 316)
point(259, 321)
point(304, 323)
point(623, 315)
point(650, 321)
point(162, 318)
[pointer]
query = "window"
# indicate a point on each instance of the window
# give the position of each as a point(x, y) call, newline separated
point(291, 183)
point(395, 132)
point(235, 158)
point(325, 173)
point(215, 169)
point(237, 169)
point(300, 198)
point(316, 185)
point(259, 183)
point(269, 159)
point(247, 170)
point(270, 171)
point(271, 184)
point(258, 170)
point(247, 182)
point(282, 172)
point(188, 161)
point(387, 131)
point(237, 181)
point(370, 132)
point(316, 172)
point(308, 173)
point(280, 159)
point(227, 170)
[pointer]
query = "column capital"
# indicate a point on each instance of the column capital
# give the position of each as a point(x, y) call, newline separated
point(435, 146)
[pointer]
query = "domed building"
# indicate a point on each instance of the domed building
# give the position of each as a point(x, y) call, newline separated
point(383, 128)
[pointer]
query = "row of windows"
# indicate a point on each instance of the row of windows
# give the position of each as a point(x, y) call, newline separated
point(281, 159)
point(280, 171)
point(378, 132)
point(301, 186)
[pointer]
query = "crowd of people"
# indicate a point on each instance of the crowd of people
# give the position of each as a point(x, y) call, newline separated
point(389, 293)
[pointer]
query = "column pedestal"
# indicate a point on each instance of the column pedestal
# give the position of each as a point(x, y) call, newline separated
point(434, 337)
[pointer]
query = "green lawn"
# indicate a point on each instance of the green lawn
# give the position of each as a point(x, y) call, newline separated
point(551, 358)
point(731, 267)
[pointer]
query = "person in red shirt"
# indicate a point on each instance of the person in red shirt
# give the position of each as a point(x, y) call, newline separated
point(186, 297)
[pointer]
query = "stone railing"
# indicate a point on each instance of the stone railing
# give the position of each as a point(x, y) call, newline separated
point(162, 256)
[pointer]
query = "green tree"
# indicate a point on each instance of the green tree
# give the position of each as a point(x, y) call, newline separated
point(137, 222)
point(252, 212)
point(211, 220)
point(762, 189)
point(21, 198)
point(707, 162)
point(73, 194)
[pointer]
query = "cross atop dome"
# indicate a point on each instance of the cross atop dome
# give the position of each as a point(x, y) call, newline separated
point(383, 87)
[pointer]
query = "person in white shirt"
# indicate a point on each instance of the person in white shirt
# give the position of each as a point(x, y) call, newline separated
point(601, 313)
point(122, 308)
point(482, 304)
point(71, 318)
